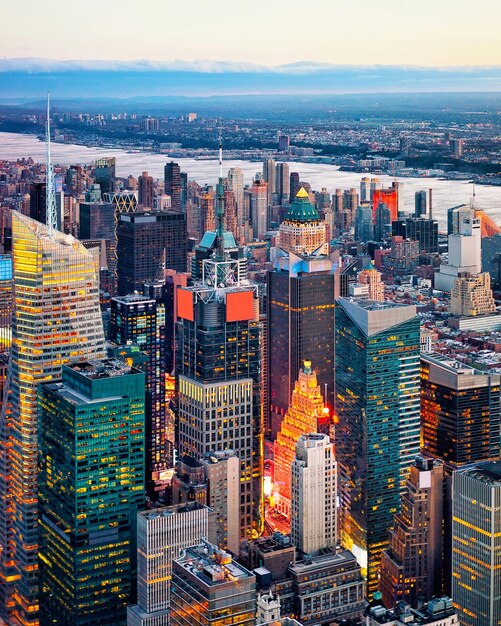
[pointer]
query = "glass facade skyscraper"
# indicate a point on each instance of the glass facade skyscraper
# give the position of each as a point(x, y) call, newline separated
point(56, 320)
point(377, 403)
point(91, 483)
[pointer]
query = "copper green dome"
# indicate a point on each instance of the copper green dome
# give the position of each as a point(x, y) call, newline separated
point(302, 209)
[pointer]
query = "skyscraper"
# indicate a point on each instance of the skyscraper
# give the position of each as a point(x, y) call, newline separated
point(172, 184)
point(162, 535)
point(412, 564)
point(300, 311)
point(219, 369)
point(269, 177)
point(302, 231)
point(104, 174)
point(236, 184)
point(314, 493)
point(259, 209)
point(472, 295)
point(91, 484)
point(97, 221)
point(364, 230)
point(377, 403)
point(141, 320)
point(304, 416)
point(147, 243)
point(294, 185)
point(145, 189)
point(388, 197)
point(56, 320)
point(420, 204)
point(476, 544)
point(282, 183)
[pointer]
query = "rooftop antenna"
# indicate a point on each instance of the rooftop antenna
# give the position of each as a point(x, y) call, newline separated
point(220, 201)
point(50, 194)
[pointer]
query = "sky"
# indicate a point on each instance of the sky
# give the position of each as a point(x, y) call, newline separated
point(269, 32)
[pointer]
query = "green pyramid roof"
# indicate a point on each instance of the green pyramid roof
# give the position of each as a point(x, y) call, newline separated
point(302, 210)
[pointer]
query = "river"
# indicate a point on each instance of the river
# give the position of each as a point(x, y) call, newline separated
point(446, 193)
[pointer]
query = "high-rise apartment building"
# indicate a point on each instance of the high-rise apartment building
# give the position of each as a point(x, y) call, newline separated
point(304, 416)
point(412, 564)
point(91, 483)
point(388, 197)
point(145, 190)
point(208, 584)
point(314, 494)
point(162, 535)
point(141, 321)
point(148, 243)
point(420, 204)
point(364, 230)
point(372, 278)
point(294, 185)
point(56, 320)
point(365, 190)
point(377, 404)
point(172, 184)
point(476, 544)
point(236, 184)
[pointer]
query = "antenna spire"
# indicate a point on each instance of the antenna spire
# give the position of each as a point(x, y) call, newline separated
point(50, 193)
point(220, 208)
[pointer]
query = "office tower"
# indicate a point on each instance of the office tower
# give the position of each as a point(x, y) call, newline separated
point(104, 174)
point(412, 564)
point(147, 243)
point(97, 221)
point(377, 404)
point(230, 217)
point(350, 204)
point(300, 314)
point(456, 146)
point(236, 184)
point(472, 295)
point(124, 201)
point(459, 412)
point(222, 471)
point(365, 190)
point(6, 303)
point(476, 544)
point(283, 143)
point(207, 584)
point(420, 202)
point(403, 257)
point(423, 230)
point(269, 177)
point(282, 183)
point(382, 225)
point(389, 197)
point(314, 494)
point(372, 278)
point(302, 231)
point(38, 209)
point(464, 248)
point(145, 190)
point(56, 320)
point(294, 185)
point(162, 535)
point(91, 484)
point(259, 209)
point(172, 184)
point(219, 369)
point(183, 176)
point(140, 320)
point(304, 415)
point(364, 230)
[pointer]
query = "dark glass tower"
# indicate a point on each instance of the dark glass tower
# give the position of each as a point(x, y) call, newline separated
point(104, 174)
point(148, 242)
point(91, 485)
point(140, 320)
point(377, 403)
point(172, 185)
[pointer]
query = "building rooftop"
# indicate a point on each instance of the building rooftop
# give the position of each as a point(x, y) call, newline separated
point(489, 473)
point(168, 511)
point(302, 209)
point(434, 612)
point(327, 558)
point(212, 566)
point(101, 368)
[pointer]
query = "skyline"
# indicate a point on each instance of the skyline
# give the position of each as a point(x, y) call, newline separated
point(426, 34)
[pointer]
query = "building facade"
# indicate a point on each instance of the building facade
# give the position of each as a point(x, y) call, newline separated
point(377, 404)
point(91, 487)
